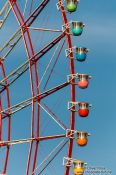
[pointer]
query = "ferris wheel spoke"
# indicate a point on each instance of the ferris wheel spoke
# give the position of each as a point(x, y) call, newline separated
point(48, 47)
point(25, 6)
point(44, 29)
point(53, 67)
point(28, 140)
point(53, 115)
point(31, 6)
point(36, 12)
point(11, 78)
point(3, 8)
point(12, 42)
point(28, 102)
point(51, 60)
point(56, 119)
point(56, 151)
point(5, 11)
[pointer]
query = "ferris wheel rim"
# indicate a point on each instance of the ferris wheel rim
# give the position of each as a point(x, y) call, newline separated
point(9, 119)
point(72, 71)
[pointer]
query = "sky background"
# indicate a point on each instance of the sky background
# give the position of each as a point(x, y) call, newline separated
point(100, 37)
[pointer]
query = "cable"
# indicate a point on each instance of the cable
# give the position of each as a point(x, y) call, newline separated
point(49, 63)
point(50, 155)
point(51, 116)
point(54, 66)
point(26, 1)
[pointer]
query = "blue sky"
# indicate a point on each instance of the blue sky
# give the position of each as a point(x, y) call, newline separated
point(100, 37)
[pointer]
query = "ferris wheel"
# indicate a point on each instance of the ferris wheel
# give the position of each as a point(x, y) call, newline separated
point(38, 86)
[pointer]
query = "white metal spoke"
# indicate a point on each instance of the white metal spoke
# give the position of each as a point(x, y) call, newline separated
point(50, 154)
point(4, 12)
point(28, 140)
point(49, 63)
point(44, 29)
point(25, 6)
point(52, 117)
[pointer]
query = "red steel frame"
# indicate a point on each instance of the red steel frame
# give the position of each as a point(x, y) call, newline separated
point(8, 117)
point(34, 87)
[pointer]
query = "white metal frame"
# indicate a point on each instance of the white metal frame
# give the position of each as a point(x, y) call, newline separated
point(74, 104)
point(70, 133)
point(69, 161)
